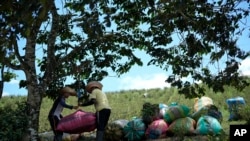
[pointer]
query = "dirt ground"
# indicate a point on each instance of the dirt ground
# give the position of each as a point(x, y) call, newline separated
point(91, 137)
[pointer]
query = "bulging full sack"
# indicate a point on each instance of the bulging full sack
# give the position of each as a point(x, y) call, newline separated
point(202, 102)
point(157, 129)
point(176, 112)
point(182, 126)
point(114, 130)
point(208, 125)
point(135, 130)
point(78, 122)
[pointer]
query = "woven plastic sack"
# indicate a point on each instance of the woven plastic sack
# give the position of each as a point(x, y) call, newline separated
point(208, 125)
point(234, 105)
point(175, 112)
point(114, 130)
point(134, 130)
point(201, 102)
point(182, 126)
point(163, 109)
point(210, 110)
point(157, 129)
point(78, 122)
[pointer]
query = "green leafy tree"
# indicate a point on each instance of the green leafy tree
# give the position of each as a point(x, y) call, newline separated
point(207, 32)
point(83, 39)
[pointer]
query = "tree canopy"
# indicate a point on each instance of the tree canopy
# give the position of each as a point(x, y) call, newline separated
point(84, 39)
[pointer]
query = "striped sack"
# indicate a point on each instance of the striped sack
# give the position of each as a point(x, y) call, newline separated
point(175, 112)
point(135, 130)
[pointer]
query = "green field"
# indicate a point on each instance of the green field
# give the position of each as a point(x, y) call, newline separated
point(128, 104)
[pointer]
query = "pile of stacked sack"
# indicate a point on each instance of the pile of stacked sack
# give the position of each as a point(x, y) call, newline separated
point(161, 121)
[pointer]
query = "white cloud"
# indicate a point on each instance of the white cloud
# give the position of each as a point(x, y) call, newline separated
point(148, 81)
point(13, 82)
point(245, 67)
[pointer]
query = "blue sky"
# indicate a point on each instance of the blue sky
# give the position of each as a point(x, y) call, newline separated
point(145, 77)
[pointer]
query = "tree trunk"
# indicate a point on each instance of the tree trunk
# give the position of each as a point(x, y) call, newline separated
point(36, 89)
point(1, 88)
point(1, 81)
point(34, 103)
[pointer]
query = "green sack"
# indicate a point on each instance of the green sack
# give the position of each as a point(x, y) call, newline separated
point(208, 125)
point(182, 126)
point(134, 130)
point(210, 110)
point(175, 112)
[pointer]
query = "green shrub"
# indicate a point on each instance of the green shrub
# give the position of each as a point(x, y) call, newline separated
point(245, 114)
point(13, 121)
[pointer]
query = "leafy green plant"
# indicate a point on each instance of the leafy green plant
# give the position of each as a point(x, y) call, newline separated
point(13, 121)
point(245, 114)
point(149, 112)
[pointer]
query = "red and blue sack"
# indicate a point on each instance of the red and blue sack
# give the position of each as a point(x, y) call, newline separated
point(77, 122)
point(157, 129)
